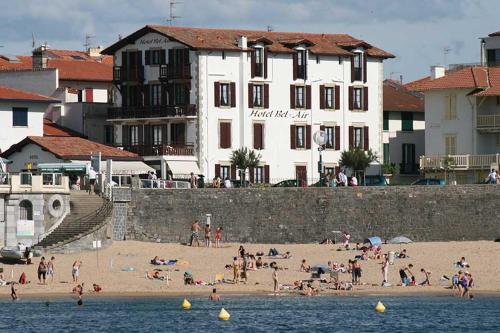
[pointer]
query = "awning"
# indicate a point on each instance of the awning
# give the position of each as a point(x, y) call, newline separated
point(183, 168)
point(62, 167)
point(128, 168)
point(5, 161)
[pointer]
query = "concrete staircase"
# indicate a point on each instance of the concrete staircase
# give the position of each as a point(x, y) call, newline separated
point(87, 213)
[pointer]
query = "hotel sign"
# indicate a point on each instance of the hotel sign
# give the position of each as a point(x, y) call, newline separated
point(279, 114)
point(153, 41)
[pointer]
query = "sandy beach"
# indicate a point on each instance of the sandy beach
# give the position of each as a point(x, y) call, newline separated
point(121, 268)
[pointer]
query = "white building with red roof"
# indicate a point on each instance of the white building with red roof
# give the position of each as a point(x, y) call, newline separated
point(81, 81)
point(462, 116)
point(187, 97)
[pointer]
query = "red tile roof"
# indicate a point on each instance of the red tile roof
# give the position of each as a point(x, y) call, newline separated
point(72, 65)
point(493, 83)
point(227, 39)
point(10, 94)
point(398, 98)
point(469, 77)
point(73, 148)
point(494, 34)
point(53, 129)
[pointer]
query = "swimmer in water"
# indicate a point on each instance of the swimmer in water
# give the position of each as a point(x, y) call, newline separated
point(214, 296)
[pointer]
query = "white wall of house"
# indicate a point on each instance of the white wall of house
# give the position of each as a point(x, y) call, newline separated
point(33, 154)
point(10, 134)
point(43, 82)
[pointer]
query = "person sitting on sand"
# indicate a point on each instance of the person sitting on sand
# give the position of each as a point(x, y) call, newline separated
point(214, 296)
point(406, 275)
point(286, 255)
point(304, 267)
point(403, 254)
point(308, 291)
point(188, 278)
point(78, 290)
point(157, 261)
point(251, 265)
point(427, 275)
point(97, 288)
point(155, 275)
point(259, 263)
point(462, 263)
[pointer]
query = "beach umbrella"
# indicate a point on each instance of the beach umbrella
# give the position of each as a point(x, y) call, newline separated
point(324, 268)
point(400, 240)
point(373, 241)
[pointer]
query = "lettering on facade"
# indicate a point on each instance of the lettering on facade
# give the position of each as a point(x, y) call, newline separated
point(279, 114)
point(153, 41)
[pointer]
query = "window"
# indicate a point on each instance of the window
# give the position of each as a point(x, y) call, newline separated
point(109, 134)
point(178, 134)
point(300, 98)
point(329, 97)
point(259, 174)
point(26, 210)
point(258, 136)
point(330, 170)
point(133, 135)
point(358, 69)
point(156, 57)
point(223, 55)
point(180, 94)
point(493, 57)
point(259, 61)
point(358, 137)
point(450, 112)
point(155, 94)
point(225, 171)
point(498, 139)
point(157, 135)
point(357, 98)
point(258, 93)
point(330, 137)
point(224, 94)
point(386, 121)
point(301, 64)
point(225, 135)
point(387, 156)
point(450, 144)
point(498, 100)
point(20, 117)
point(318, 59)
point(407, 121)
point(300, 136)
point(408, 161)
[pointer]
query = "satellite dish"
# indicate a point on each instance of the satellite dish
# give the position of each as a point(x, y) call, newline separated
point(319, 137)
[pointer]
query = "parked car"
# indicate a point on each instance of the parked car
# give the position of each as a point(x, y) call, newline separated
point(429, 181)
point(236, 183)
point(287, 183)
point(375, 180)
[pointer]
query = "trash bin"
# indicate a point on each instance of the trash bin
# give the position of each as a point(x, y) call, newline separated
point(201, 181)
point(392, 256)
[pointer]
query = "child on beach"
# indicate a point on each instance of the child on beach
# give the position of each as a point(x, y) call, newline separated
point(75, 271)
point(218, 236)
point(51, 269)
point(426, 281)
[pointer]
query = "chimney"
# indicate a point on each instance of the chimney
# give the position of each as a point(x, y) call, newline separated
point(437, 72)
point(483, 52)
point(39, 57)
point(242, 43)
point(94, 51)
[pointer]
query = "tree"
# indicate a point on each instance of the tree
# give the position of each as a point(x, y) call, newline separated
point(245, 158)
point(357, 159)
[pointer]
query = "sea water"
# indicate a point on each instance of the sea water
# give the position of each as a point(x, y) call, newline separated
point(254, 314)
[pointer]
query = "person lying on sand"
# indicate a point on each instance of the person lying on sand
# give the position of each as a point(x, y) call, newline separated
point(97, 288)
point(155, 275)
point(157, 261)
point(462, 263)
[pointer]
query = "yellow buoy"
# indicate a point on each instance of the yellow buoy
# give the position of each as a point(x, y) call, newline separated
point(380, 307)
point(186, 305)
point(224, 315)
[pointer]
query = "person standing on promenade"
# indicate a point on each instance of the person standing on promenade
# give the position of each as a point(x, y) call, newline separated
point(227, 183)
point(92, 175)
point(195, 228)
point(51, 269)
point(492, 177)
point(193, 180)
point(218, 236)
point(75, 271)
point(42, 271)
point(275, 279)
point(208, 232)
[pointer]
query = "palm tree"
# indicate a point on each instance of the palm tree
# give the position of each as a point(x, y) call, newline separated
point(245, 158)
point(357, 159)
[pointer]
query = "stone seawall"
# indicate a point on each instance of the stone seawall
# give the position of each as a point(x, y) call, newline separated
point(296, 215)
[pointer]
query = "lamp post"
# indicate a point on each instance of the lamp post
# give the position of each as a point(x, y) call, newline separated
point(319, 138)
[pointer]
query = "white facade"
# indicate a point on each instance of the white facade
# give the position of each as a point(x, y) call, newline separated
point(215, 66)
point(10, 134)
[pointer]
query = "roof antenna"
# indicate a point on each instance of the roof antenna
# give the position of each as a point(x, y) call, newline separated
point(172, 17)
point(269, 28)
point(87, 43)
point(33, 43)
point(446, 50)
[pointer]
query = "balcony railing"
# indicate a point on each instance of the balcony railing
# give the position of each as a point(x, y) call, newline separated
point(158, 111)
point(162, 149)
point(130, 74)
point(174, 71)
point(459, 162)
point(491, 122)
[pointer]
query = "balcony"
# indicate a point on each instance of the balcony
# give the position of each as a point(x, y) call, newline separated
point(158, 111)
point(459, 162)
point(128, 74)
point(488, 123)
point(186, 149)
point(174, 71)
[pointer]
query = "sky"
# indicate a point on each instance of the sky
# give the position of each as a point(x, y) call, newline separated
point(416, 31)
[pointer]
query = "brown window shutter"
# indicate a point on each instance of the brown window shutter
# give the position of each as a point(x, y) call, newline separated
point(352, 68)
point(125, 138)
point(250, 95)
point(124, 59)
point(266, 174)
point(185, 56)
point(139, 58)
point(337, 137)
point(308, 136)
point(321, 97)
point(163, 57)
point(148, 57)
point(266, 96)
point(351, 137)
point(233, 171)
point(265, 62)
point(217, 170)
point(337, 97)
point(365, 67)
point(351, 101)
point(292, 96)
point(365, 98)
point(228, 135)
point(292, 137)
point(252, 64)
point(147, 95)
point(251, 171)
point(222, 135)
point(308, 97)
point(233, 94)
point(295, 64)
point(164, 138)
point(366, 140)
point(171, 56)
point(217, 94)
point(322, 128)
point(257, 136)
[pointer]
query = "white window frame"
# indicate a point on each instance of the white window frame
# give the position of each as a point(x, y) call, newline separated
point(133, 135)
point(329, 97)
point(225, 172)
point(332, 130)
point(156, 94)
point(355, 95)
point(300, 138)
point(258, 95)
point(302, 100)
point(358, 130)
point(450, 144)
point(156, 134)
point(259, 175)
point(225, 91)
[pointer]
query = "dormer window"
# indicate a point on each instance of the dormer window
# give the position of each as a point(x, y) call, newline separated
point(259, 61)
point(358, 67)
point(300, 65)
